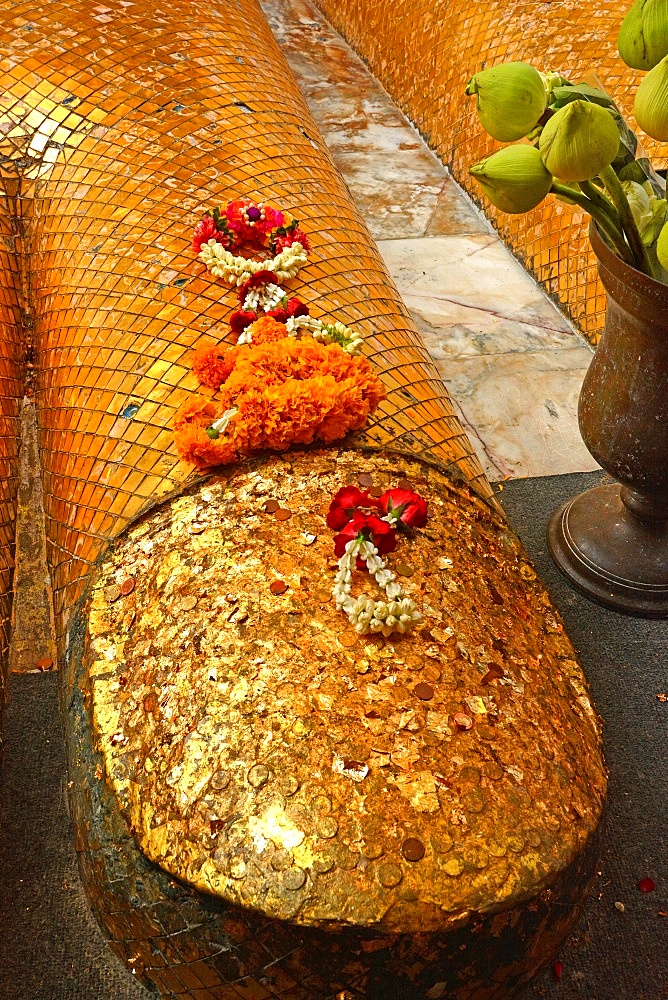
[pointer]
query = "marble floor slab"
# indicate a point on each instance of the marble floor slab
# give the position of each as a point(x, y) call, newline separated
point(510, 360)
point(519, 411)
point(470, 296)
point(401, 189)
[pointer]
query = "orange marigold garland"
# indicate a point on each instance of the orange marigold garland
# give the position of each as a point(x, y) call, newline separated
point(291, 379)
point(272, 363)
point(267, 329)
point(279, 393)
point(195, 446)
point(196, 439)
point(213, 363)
point(195, 413)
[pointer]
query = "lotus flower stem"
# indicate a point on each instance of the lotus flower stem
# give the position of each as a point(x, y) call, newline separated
point(600, 216)
point(620, 201)
point(596, 195)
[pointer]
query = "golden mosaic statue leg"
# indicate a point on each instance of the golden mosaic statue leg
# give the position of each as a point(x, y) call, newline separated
point(454, 39)
point(129, 150)
point(271, 874)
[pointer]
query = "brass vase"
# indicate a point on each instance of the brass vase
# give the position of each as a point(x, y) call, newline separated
point(612, 541)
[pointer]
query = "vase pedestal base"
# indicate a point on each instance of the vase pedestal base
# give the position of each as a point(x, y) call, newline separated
point(613, 556)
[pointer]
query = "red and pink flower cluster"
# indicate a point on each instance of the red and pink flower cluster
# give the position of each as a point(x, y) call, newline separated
point(246, 221)
point(354, 513)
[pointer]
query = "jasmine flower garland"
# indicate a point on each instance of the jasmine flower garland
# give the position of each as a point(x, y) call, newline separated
point(363, 537)
point(326, 333)
point(397, 614)
point(223, 231)
point(264, 299)
point(236, 270)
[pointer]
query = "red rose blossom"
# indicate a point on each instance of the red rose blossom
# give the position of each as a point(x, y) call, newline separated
point(344, 505)
point(205, 230)
point(296, 236)
point(297, 308)
point(240, 319)
point(380, 533)
point(280, 315)
point(255, 281)
point(409, 508)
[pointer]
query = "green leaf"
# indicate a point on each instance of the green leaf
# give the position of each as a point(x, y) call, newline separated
point(561, 96)
point(635, 171)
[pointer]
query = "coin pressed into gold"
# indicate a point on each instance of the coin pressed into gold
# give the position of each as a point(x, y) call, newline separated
point(413, 849)
point(424, 692)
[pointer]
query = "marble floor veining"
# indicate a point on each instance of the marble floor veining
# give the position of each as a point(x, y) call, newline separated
point(511, 362)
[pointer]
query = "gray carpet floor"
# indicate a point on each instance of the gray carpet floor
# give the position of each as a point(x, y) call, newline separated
point(52, 950)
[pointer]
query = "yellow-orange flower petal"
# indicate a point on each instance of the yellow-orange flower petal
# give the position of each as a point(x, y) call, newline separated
point(213, 363)
point(198, 412)
point(267, 330)
point(194, 445)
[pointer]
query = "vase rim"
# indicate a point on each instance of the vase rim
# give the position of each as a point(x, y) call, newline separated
point(613, 270)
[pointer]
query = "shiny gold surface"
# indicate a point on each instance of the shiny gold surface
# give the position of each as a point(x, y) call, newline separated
point(425, 51)
point(263, 752)
point(250, 743)
point(120, 125)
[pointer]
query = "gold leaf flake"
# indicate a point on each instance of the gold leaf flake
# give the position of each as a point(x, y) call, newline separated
point(419, 788)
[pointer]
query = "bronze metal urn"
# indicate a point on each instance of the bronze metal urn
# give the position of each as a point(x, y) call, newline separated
point(612, 541)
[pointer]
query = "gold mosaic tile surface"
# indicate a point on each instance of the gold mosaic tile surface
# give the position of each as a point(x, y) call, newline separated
point(262, 751)
point(425, 52)
point(123, 123)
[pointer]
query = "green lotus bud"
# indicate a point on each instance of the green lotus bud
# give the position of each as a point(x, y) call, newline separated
point(578, 141)
point(511, 99)
point(662, 247)
point(643, 36)
point(514, 179)
point(651, 103)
